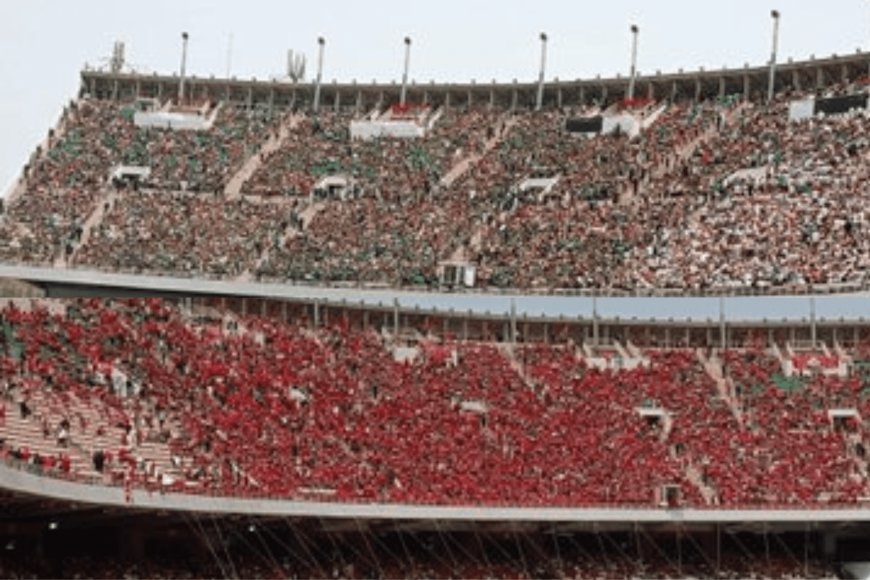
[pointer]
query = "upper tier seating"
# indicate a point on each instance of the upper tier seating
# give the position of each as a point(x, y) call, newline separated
point(721, 194)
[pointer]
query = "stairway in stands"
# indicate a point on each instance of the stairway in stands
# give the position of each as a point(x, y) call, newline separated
point(694, 475)
point(18, 433)
point(465, 252)
point(508, 352)
point(104, 206)
point(671, 164)
point(91, 429)
point(463, 165)
point(235, 185)
point(724, 385)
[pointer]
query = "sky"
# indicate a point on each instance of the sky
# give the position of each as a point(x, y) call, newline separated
point(45, 43)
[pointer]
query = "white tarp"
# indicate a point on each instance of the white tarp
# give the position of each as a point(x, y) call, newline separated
point(542, 183)
point(126, 171)
point(333, 185)
point(651, 412)
point(479, 407)
point(842, 414)
point(625, 123)
point(469, 276)
point(365, 129)
point(756, 174)
point(405, 354)
point(803, 109)
point(616, 363)
point(298, 395)
point(176, 121)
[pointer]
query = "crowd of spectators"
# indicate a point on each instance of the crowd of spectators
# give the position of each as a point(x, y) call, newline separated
point(316, 147)
point(384, 168)
point(57, 463)
point(400, 243)
point(794, 217)
point(604, 208)
point(198, 161)
point(394, 224)
point(689, 202)
point(253, 406)
point(183, 234)
point(65, 182)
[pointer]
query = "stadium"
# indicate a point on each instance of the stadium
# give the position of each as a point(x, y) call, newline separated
point(280, 328)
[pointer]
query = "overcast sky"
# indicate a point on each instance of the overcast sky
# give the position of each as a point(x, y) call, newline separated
point(44, 44)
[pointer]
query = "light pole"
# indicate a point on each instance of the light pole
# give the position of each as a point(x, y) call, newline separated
point(322, 43)
point(774, 14)
point(404, 94)
point(540, 100)
point(633, 71)
point(184, 37)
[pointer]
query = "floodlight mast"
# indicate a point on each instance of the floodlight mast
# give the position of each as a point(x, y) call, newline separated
point(774, 14)
point(404, 95)
point(632, 75)
point(322, 43)
point(541, 75)
point(181, 87)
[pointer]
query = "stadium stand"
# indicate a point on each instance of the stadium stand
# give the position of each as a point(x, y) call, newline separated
point(152, 395)
point(683, 196)
point(385, 168)
point(72, 179)
point(183, 234)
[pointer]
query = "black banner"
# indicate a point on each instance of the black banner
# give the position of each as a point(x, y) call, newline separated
point(839, 105)
point(587, 125)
